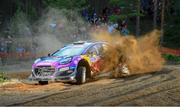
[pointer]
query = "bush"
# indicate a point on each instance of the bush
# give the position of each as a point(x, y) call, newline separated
point(2, 77)
point(172, 58)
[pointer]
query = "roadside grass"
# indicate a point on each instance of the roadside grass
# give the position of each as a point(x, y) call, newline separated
point(2, 77)
point(172, 58)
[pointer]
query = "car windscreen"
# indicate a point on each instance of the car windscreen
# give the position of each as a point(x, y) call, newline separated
point(69, 51)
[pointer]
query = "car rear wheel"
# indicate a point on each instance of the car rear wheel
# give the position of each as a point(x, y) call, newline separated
point(43, 82)
point(81, 75)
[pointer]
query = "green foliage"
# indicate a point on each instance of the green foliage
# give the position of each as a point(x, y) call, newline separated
point(176, 3)
point(28, 8)
point(117, 2)
point(66, 4)
point(115, 18)
point(170, 57)
point(19, 24)
point(128, 9)
point(32, 14)
point(121, 3)
point(18, 4)
point(172, 32)
point(2, 77)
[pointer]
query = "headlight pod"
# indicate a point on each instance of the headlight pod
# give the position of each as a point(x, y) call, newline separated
point(65, 60)
point(37, 60)
point(64, 69)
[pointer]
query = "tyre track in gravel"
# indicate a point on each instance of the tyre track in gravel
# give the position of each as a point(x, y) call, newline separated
point(129, 89)
point(117, 100)
point(115, 92)
point(30, 97)
point(160, 98)
point(71, 92)
point(114, 84)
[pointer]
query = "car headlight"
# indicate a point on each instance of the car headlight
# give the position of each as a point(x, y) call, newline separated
point(64, 69)
point(65, 61)
point(37, 60)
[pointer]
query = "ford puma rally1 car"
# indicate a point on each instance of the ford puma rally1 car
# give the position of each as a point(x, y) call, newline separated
point(73, 63)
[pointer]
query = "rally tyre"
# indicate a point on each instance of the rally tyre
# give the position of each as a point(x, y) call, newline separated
point(43, 82)
point(81, 75)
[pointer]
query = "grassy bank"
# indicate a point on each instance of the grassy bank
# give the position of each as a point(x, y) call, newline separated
point(172, 59)
point(2, 77)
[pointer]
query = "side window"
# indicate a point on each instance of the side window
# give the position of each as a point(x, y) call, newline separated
point(91, 51)
point(101, 48)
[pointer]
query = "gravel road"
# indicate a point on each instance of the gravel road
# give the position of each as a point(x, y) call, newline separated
point(158, 88)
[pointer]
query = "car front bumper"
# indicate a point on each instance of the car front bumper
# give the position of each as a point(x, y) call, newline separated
point(70, 78)
point(63, 75)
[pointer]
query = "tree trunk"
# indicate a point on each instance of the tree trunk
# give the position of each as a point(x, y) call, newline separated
point(162, 20)
point(155, 14)
point(138, 19)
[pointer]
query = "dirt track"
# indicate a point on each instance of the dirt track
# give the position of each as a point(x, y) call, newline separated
point(159, 88)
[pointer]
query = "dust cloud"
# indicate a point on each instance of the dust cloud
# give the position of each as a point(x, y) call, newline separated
point(140, 55)
point(59, 27)
point(53, 29)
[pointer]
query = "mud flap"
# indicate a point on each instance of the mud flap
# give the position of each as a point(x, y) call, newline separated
point(125, 70)
point(120, 71)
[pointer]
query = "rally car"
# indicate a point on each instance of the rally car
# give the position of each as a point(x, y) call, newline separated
point(75, 62)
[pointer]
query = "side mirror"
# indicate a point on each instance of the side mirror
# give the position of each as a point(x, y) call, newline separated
point(49, 54)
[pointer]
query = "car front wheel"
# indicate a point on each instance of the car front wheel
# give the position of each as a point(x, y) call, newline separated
point(81, 75)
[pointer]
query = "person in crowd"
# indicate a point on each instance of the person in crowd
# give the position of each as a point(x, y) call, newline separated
point(3, 51)
point(105, 15)
point(85, 14)
point(34, 49)
point(53, 25)
point(124, 30)
point(116, 10)
point(9, 42)
point(112, 27)
point(20, 50)
point(94, 19)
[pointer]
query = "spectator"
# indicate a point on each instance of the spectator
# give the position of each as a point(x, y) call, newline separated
point(104, 19)
point(124, 23)
point(116, 10)
point(3, 51)
point(20, 50)
point(125, 31)
point(53, 25)
point(34, 49)
point(105, 13)
point(112, 28)
point(85, 14)
point(94, 19)
point(9, 44)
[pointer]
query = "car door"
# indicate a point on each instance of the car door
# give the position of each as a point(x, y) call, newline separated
point(101, 47)
point(92, 53)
